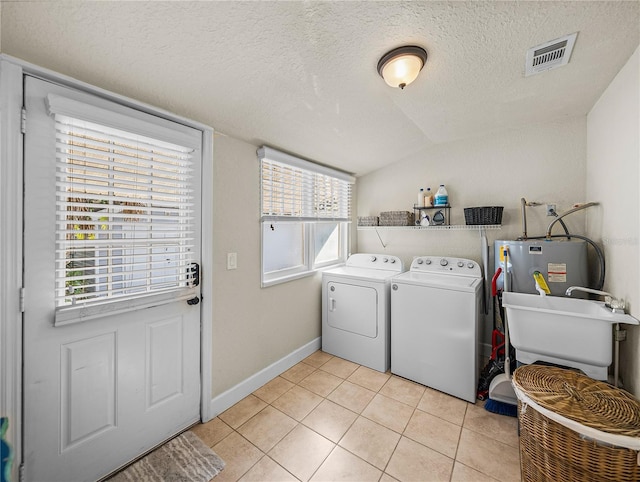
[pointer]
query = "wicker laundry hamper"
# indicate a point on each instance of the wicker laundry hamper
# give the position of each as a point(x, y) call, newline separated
point(575, 428)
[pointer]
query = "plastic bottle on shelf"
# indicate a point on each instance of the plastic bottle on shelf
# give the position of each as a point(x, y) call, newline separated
point(428, 198)
point(442, 197)
point(420, 198)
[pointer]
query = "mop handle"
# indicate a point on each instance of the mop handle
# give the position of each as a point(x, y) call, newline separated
point(507, 359)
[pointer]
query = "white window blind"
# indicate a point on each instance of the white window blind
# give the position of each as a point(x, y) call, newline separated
point(306, 209)
point(293, 188)
point(125, 217)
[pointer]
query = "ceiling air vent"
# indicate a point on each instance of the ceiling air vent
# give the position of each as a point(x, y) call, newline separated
point(549, 55)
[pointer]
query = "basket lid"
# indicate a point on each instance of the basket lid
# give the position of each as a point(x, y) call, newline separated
point(577, 397)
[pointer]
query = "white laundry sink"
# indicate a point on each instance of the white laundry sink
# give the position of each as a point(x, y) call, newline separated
point(566, 331)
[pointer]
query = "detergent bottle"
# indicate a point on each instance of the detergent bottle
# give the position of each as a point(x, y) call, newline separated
point(428, 198)
point(442, 197)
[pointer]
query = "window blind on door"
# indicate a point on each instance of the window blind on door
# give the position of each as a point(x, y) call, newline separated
point(292, 188)
point(125, 213)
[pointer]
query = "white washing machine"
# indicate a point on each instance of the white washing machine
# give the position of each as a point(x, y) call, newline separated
point(435, 312)
point(356, 310)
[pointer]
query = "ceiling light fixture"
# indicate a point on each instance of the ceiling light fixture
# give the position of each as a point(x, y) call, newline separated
point(401, 66)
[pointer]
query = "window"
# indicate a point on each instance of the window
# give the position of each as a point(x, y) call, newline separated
point(124, 210)
point(306, 210)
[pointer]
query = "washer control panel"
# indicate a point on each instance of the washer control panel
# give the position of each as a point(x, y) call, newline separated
point(375, 261)
point(446, 264)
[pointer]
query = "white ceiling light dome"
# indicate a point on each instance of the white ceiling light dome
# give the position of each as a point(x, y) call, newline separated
point(401, 66)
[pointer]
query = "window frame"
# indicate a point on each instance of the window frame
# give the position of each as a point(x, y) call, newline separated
point(308, 218)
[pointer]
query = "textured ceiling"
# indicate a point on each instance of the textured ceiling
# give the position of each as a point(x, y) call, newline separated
point(301, 76)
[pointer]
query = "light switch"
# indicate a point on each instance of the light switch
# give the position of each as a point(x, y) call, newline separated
point(232, 260)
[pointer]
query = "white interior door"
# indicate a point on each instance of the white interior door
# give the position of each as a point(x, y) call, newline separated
point(116, 371)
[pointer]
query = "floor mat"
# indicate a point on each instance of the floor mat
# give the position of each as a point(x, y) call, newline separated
point(183, 459)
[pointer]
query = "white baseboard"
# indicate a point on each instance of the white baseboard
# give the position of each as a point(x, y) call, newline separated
point(232, 396)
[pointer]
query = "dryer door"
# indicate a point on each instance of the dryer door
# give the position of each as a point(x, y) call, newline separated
point(352, 308)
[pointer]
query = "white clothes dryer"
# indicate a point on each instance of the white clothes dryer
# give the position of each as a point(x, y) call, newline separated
point(435, 311)
point(356, 310)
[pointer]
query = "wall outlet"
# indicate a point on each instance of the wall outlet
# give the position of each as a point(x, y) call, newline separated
point(232, 260)
point(551, 209)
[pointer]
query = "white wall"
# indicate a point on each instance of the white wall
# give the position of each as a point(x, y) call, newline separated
point(544, 163)
point(613, 155)
point(252, 327)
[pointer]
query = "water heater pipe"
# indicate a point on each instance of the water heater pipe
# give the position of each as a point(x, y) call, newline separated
point(523, 211)
point(577, 208)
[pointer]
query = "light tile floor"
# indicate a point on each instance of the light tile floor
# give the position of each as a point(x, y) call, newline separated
point(328, 419)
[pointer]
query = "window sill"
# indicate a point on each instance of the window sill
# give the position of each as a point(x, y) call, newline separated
point(285, 279)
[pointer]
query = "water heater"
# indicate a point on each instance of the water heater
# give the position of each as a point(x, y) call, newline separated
point(563, 263)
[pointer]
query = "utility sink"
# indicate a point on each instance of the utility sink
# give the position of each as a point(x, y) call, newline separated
point(571, 332)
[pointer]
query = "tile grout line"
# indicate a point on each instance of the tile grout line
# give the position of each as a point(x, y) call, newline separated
point(360, 414)
point(323, 398)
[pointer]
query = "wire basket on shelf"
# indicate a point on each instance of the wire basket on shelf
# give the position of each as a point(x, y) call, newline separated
point(483, 215)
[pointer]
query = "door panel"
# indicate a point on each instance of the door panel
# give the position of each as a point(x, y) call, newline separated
point(88, 388)
point(164, 352)
point(97, 393)
point(433, 338)
point(353, 308)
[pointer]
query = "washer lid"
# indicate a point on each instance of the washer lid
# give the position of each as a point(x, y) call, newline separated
point(438, 280)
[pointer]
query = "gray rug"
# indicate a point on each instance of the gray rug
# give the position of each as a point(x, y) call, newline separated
point(183, 459)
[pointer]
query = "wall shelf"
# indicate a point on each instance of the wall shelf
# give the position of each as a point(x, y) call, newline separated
point(453, 227)
point(417, 213)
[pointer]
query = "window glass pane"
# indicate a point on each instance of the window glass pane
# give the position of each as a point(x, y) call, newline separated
point(327, 242)
point(283, 246)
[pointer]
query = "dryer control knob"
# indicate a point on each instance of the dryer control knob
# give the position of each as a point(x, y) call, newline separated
point(443, 262)
point(460, 264)
point(470, 265)
point(394, 287)
point(385, 260)
point(372, 258)
point(427, 261)
point(392, 260)
point(420, 261)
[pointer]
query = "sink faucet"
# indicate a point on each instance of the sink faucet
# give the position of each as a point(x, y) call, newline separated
point(614, 304)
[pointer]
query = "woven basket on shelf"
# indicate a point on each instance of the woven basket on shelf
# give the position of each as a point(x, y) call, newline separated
point(483, 215)
point(368, 220)
point(396, 218)
point(604, 421)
